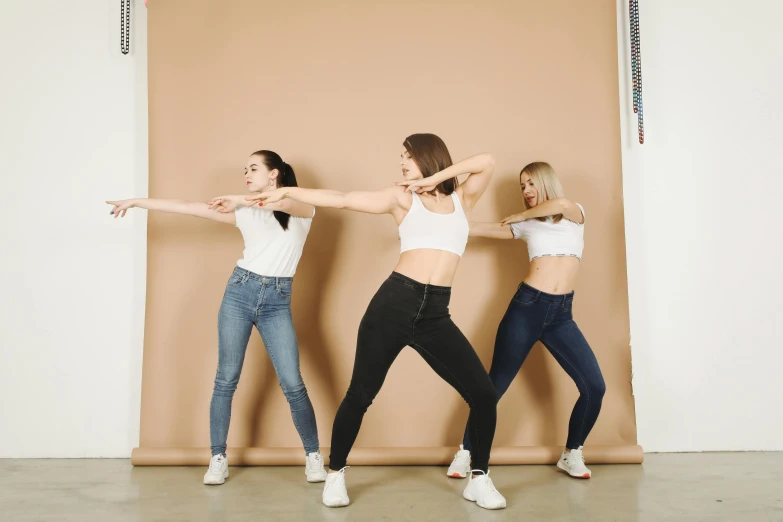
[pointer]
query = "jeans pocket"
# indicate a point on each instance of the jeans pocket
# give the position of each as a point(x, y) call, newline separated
point(285, 290)
point(236, 280)
point(524, 298)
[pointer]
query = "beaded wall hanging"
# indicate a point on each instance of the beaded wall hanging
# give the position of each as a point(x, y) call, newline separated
point(125, 20)
point(636, 67)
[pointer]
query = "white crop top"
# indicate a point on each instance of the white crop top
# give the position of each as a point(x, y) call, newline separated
point(270, 250)
point(422, 228)
point(546, 238)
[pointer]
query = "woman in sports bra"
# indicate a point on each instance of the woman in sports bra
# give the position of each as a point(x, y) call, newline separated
point(553, 228)
point(411, 308)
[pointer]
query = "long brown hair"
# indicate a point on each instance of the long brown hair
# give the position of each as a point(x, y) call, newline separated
point(431, 156)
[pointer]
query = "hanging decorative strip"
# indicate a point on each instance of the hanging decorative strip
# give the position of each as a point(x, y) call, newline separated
point(125, 19)
point(636, 66)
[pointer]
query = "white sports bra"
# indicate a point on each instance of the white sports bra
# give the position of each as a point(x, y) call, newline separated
point(422, 228)
point(546, 238)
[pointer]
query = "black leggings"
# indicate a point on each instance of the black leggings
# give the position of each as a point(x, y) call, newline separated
point(403, 313)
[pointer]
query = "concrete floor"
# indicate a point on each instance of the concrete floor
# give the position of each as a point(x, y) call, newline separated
point(742, 487)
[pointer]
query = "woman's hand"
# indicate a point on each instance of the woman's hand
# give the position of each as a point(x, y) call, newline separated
point(121, 207)
point(265, 198)
point(515, 218)
point(418, 186)
point(225, 204)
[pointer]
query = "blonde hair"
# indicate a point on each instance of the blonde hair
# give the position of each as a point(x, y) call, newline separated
point(547, 184)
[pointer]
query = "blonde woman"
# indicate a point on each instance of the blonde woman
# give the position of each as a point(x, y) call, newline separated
point(553, 228)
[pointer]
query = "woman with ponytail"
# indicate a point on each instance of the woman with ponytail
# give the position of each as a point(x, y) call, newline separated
point(258, 294)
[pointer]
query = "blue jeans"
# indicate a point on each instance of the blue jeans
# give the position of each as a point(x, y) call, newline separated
point(264, 302)
point(534, 316)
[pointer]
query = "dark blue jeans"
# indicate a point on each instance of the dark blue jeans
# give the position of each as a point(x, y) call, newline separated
point(534, 316)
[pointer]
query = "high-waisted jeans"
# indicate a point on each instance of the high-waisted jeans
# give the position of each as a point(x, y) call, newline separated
point(534, 316)
point(264, 302)
point(403, 313)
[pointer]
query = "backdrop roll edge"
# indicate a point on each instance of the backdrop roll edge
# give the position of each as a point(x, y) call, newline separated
point(407, 456)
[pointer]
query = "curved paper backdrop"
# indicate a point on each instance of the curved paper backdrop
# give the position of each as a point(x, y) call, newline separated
point(335, 87)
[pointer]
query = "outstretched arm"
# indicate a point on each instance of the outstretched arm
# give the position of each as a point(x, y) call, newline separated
point(375, 202)
point(225, 204)
point(174, 206)
point(491, 230)
point(479, 169)
point(552, 207)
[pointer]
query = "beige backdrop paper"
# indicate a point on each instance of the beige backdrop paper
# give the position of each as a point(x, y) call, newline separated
point(335, 87)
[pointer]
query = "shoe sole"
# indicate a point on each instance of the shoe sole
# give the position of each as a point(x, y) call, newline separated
point(319, 478)
point(466, 497)
point(491, 508)
point(225, 476)
point(339, 504)
point(565, 470)
point(457, 475)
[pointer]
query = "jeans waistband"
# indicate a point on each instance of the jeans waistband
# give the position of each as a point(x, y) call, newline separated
point(421, 287)
point(543, 296)
point(247, 274)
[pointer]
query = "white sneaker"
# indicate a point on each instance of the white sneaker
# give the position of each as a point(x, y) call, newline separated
point(218, 470)
point(573, 463)
point(335, 494)
point(481, 491)
point(314, 467)
point(460, 466)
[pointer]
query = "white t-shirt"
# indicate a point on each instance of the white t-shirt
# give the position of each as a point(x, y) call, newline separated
point(270, 250)
point(547, 238)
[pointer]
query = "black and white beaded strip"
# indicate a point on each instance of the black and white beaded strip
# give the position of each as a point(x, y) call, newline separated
point(125, 20)
point(636, 66)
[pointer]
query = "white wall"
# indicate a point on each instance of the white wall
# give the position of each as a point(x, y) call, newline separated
point(73, 133)
point(703, 224)
point(701, 202)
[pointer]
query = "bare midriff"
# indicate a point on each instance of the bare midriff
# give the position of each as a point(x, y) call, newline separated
point(428, 266)
point(553, 275)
